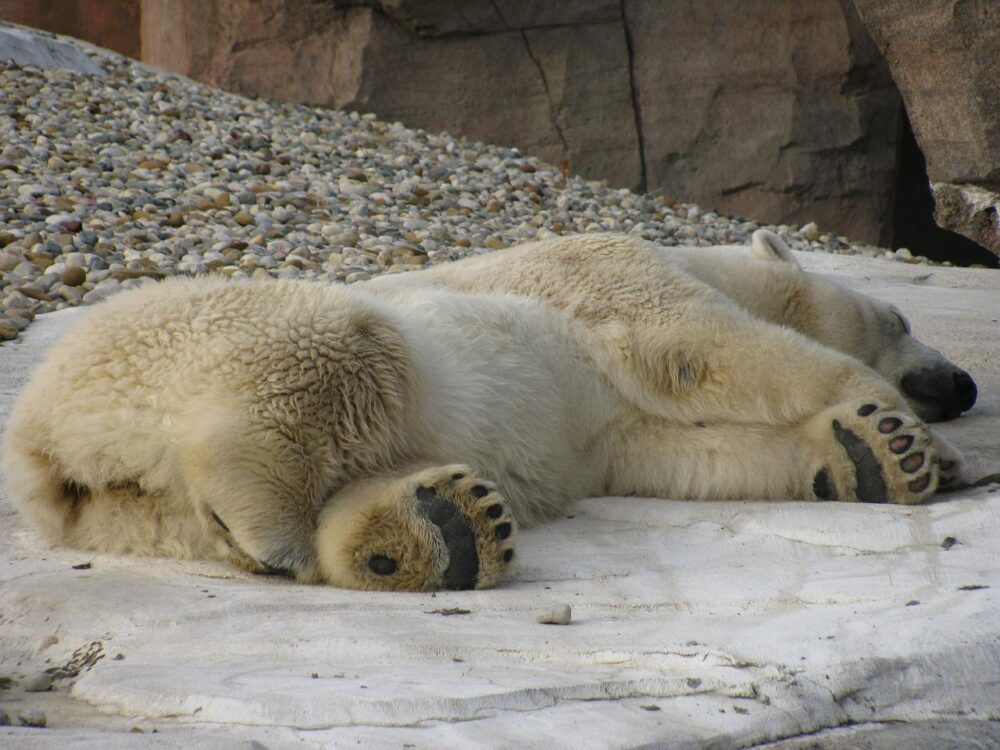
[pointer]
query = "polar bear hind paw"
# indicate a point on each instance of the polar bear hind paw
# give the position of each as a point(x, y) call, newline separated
point(877, 455)
point(441, 528)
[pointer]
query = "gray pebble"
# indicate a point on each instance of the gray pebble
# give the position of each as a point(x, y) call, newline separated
point(9, 261)
point(557, 616)
point(38, 683)
point(29, 718)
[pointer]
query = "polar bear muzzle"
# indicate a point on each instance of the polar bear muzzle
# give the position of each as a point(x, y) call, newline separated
point(940, 392)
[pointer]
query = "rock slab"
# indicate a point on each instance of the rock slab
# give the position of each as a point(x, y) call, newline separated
point(27, 48)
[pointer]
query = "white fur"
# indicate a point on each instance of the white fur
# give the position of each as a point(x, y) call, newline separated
point(562, 369)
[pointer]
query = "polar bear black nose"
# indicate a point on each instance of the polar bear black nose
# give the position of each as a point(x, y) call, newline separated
point(941, 392)
point(965, 390)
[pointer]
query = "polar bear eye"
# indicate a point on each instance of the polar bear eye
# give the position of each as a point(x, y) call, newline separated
point(902, 321)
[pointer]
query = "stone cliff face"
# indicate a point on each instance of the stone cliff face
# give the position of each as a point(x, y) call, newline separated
point(767, 108)
point(777, 109)
point(945, 57)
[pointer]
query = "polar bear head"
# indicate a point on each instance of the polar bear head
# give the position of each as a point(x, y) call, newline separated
point(876, 333)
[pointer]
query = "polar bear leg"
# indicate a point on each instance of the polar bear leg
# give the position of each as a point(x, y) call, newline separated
point(842, 415)
point(259, 490)
point(441, 527)
point(854, 451)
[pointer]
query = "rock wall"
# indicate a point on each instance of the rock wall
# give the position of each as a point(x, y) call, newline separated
point(945, 57)
point(776, 109)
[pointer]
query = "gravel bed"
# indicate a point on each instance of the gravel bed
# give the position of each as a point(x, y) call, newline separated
point(113, 182)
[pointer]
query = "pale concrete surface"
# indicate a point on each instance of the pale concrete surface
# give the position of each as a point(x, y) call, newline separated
point(723, 625)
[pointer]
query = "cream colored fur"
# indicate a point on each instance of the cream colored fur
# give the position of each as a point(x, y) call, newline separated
point(272, 423)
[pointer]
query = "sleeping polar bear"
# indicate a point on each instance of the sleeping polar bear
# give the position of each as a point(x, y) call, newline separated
point(392, 436)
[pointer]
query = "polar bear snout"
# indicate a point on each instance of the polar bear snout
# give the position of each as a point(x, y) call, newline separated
point(940, 392)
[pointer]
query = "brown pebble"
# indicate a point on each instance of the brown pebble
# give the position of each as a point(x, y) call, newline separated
point(8, 332)
point(74, 276)
point(33, 293)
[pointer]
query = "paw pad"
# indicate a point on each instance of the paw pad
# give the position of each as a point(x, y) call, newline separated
point(474, 524)
point(382, 565)
point(885, 456)
point(822, 487)
point(911, 463)
point(889, 424)
point(901, 444)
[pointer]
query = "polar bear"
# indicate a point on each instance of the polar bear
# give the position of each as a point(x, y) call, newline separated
point(394, 435)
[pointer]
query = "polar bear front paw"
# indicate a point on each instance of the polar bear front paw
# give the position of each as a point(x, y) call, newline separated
point(875, 454)
point(437, 528)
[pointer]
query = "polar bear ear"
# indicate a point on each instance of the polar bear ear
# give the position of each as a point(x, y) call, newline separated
point(766, 245)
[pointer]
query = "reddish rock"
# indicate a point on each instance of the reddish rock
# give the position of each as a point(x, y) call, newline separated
point(945, 58)
point(775, 109)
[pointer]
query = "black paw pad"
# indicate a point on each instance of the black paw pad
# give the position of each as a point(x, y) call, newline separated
point(480, 491)
point(502, 530)
point(870, 482)
point(920, 484)
point(911, 463)
point(822, 487)
point(508, 555)
point(901, 444)
point(382, 565)
point(463, 565)
point(867, 409)
point(889, 424)
point(495, 510)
